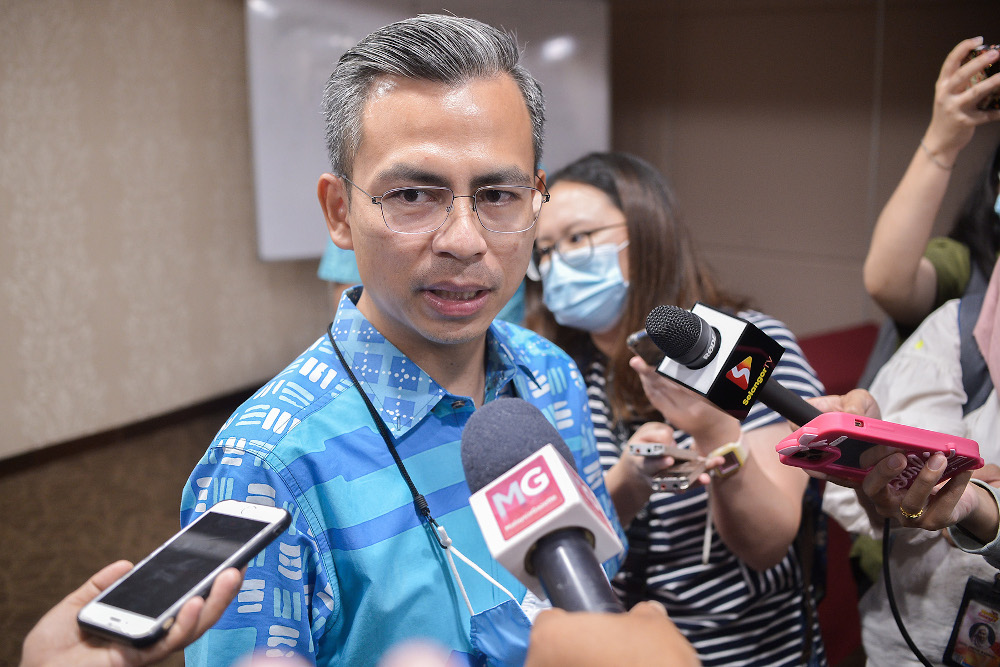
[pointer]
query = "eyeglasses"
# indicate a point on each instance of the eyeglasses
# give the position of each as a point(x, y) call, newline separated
point(421, 209)
point(575, 249)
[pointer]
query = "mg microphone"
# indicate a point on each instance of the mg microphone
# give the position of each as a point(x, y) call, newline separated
point(725, 359)
point(539, 519)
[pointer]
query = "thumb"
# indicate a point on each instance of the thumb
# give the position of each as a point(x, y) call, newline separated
point(649, 608)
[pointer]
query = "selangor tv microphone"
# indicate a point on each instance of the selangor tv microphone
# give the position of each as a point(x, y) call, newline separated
point(724, 358)
point(539, 519)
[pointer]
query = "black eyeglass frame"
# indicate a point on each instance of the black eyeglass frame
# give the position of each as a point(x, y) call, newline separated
point(535, 269)
point(377, 200)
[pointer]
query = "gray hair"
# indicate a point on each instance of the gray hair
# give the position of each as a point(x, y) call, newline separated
point(430, 47)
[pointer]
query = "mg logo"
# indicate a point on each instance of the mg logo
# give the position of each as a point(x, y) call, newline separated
point(531, 484)
point(740, 374)
point(521, 498)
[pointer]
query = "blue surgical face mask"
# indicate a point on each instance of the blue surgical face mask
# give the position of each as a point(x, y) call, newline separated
point(589, 296)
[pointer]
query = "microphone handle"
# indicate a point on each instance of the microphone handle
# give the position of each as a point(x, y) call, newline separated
point(787, 403)
point(573, 580)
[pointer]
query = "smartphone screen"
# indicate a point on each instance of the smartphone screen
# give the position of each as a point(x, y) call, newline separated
point(641, 344)
point(850, 453)
point(157, 584)
point(138, 608)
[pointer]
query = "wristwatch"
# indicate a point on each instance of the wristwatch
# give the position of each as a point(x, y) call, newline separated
point(734, 456)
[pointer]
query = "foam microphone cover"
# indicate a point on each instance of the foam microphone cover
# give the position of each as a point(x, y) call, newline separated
point(674, 330)
point(501, 434)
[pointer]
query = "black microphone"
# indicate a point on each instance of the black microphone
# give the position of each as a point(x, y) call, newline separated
point(737, 358)
point(539, 519)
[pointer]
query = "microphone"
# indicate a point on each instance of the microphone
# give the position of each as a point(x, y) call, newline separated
point(539, 519)
point(726, 359)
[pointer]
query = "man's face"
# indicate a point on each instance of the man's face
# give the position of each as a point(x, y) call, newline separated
point(443, 287)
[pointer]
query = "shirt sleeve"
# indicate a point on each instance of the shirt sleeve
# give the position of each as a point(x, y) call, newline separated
point(285, 599)
point(968, 544)
point(952, 266)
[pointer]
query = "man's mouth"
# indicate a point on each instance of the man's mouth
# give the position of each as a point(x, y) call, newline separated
point(448, 295)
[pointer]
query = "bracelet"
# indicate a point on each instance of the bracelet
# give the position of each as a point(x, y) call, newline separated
point(934, 159)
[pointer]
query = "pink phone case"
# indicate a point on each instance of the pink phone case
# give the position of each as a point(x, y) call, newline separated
point(833, 443)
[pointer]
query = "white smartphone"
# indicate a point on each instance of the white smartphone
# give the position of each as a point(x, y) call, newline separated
point(140, 607)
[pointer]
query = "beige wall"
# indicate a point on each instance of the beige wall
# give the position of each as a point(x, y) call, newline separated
point(129, 282)
point(769, 119)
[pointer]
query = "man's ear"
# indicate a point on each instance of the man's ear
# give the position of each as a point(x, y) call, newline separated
point(332, 193)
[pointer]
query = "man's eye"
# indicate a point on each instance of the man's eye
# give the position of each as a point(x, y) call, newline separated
point(404, 196)
point(498, 196)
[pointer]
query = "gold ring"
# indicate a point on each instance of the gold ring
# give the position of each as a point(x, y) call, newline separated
point(911, 516)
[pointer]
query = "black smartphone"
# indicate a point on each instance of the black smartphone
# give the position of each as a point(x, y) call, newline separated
point(991, 101)
point(140, 607)
point(641, 344)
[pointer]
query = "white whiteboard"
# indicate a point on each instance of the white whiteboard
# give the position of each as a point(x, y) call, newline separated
point(293, 45)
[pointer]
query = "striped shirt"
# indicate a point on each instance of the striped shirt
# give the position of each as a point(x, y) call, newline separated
point(732, 614)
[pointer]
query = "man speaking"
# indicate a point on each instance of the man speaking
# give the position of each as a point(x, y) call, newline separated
point(434, 133)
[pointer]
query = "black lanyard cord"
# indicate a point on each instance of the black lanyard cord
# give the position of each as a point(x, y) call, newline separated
point(418, 499)
point(886, 545)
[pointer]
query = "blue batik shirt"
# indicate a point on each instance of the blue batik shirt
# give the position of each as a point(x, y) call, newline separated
point(357, 571)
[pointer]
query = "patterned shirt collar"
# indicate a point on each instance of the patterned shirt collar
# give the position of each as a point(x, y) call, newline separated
point(400, 390)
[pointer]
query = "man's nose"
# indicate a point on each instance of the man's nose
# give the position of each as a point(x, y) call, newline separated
point(461, 235)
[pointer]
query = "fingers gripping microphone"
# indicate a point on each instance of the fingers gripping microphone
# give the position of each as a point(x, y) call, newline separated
point(724, 358)
point(540, 520)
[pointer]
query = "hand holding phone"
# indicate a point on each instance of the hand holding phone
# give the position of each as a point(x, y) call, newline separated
point(56, 639)
point(681, 475)
point(991, 101)
point(140, 607)
point(642, 345)
point(848, 446)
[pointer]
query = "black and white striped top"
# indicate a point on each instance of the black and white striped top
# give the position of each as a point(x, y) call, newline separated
point(732, 614)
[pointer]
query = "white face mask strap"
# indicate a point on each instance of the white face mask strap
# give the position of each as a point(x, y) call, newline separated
point(448, 548)
point(706, 544)
point(446, 543)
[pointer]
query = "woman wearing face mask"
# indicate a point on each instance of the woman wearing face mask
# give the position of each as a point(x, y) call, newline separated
point(721, 556)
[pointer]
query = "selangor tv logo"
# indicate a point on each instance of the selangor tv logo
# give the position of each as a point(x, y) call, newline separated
point(740, 374)
point(518, 500)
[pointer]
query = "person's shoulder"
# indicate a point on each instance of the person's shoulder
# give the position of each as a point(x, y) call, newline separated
point(274, 411)
point(793, 369)
point(776, 329)
point(946, 249)
point(526, 345)
point(937, 332)
point(552, 370)
point(770, 325)
point(952, 262)
point(934, 343)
